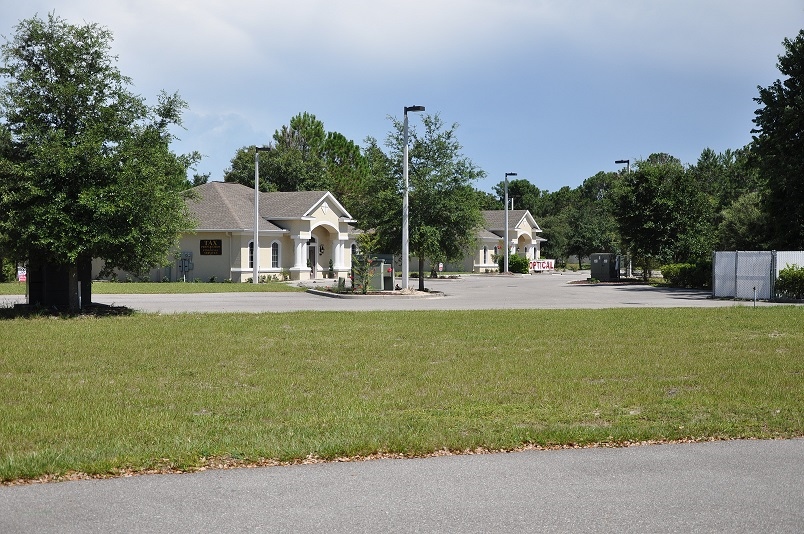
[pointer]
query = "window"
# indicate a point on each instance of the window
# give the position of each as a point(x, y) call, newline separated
point(485, 254)
point(274, 255)
point(354, 250)
point(251, 255)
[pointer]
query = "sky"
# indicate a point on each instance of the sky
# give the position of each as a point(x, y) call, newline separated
point(554, 90)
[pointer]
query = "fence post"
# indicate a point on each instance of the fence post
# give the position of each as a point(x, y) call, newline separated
point(773, 275)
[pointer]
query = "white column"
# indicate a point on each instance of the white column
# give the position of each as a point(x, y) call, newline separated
point(338, 259)
point(300, 253)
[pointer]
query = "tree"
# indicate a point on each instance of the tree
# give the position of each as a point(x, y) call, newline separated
point(662, 215)
point(346, 170)
point(555, 214)
point(525, 195)
point(86, 169)
point(742, 224)
point(727, 176)
point(488, 201)
point(305, 157)
point(779, 145)
point(594, 228)
point(241, 170)
point(444, 209)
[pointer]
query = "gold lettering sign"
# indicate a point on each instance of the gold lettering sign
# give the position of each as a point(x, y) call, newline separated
point(211, 247)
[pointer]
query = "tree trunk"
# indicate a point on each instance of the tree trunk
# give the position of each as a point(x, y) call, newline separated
point(421, 273)
point(73, 295)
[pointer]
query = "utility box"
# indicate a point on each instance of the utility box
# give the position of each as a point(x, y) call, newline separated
point(385, 273)
point(605, 266)
point(382, 278)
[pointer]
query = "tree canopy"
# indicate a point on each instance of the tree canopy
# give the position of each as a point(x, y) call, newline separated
point(86, 169)
point(779, 145)
point(305, 157)
point(662, 214)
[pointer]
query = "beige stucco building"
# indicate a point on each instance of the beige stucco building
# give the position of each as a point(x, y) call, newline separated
point(300, 233)
point(523, 233)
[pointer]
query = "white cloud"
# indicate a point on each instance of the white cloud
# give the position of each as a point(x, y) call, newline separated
point(525, 78)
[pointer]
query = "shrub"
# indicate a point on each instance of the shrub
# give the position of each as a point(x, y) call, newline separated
point(516, 264)
point(791, 282)
point(8, 271)
point(694, 275)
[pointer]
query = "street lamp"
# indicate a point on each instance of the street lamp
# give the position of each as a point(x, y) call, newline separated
point(627, 163)
point(255, 255)
point(507, 246)
point(405, 217)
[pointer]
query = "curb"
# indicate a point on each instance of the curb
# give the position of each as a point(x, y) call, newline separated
point(424, 295)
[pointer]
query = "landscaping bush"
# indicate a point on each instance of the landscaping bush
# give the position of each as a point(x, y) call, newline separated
point(791, 282)
point(516, 264)
point(694, 275)
point(8, 271)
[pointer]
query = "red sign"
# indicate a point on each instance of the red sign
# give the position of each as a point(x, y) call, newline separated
point(542, 265)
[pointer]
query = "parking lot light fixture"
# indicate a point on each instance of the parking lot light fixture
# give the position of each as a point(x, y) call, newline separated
point(405, 215)
point(255, 255)
point(507, 245)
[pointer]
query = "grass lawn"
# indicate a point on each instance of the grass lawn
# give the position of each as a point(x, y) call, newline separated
point(142, 392)
point(117, 288)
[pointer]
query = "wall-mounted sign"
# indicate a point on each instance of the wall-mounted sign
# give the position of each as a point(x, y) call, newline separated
point(211, 247)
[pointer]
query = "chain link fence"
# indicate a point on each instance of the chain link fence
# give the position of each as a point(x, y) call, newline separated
point(749, 274)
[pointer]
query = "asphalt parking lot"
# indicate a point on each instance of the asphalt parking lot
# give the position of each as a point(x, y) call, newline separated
point(471, 292)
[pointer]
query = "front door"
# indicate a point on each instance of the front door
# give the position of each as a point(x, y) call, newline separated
point(312, 257)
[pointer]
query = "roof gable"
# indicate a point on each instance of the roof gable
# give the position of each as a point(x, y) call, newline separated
point(495, 220)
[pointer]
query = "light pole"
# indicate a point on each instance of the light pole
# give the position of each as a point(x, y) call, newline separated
point(405, 217)
point(255, 255)
point(507, 246)
point(627, 163)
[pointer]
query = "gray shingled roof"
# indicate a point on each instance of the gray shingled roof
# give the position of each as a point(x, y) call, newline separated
point(230, 206)
point(283, 205)
point(495, 219)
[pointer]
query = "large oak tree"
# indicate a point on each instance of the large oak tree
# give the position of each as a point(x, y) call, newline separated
point(86, 169)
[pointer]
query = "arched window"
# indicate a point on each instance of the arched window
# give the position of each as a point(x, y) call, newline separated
point(251, 254)
point(354, 249)
point(275, 255)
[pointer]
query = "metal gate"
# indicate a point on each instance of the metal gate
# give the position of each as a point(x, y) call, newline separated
point(748, 274)
point(744, 274)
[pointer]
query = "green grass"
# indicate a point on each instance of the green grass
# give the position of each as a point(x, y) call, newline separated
point(100, 395)
point(116, 288)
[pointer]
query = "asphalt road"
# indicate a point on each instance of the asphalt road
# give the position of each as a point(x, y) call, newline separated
point(736, 486)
